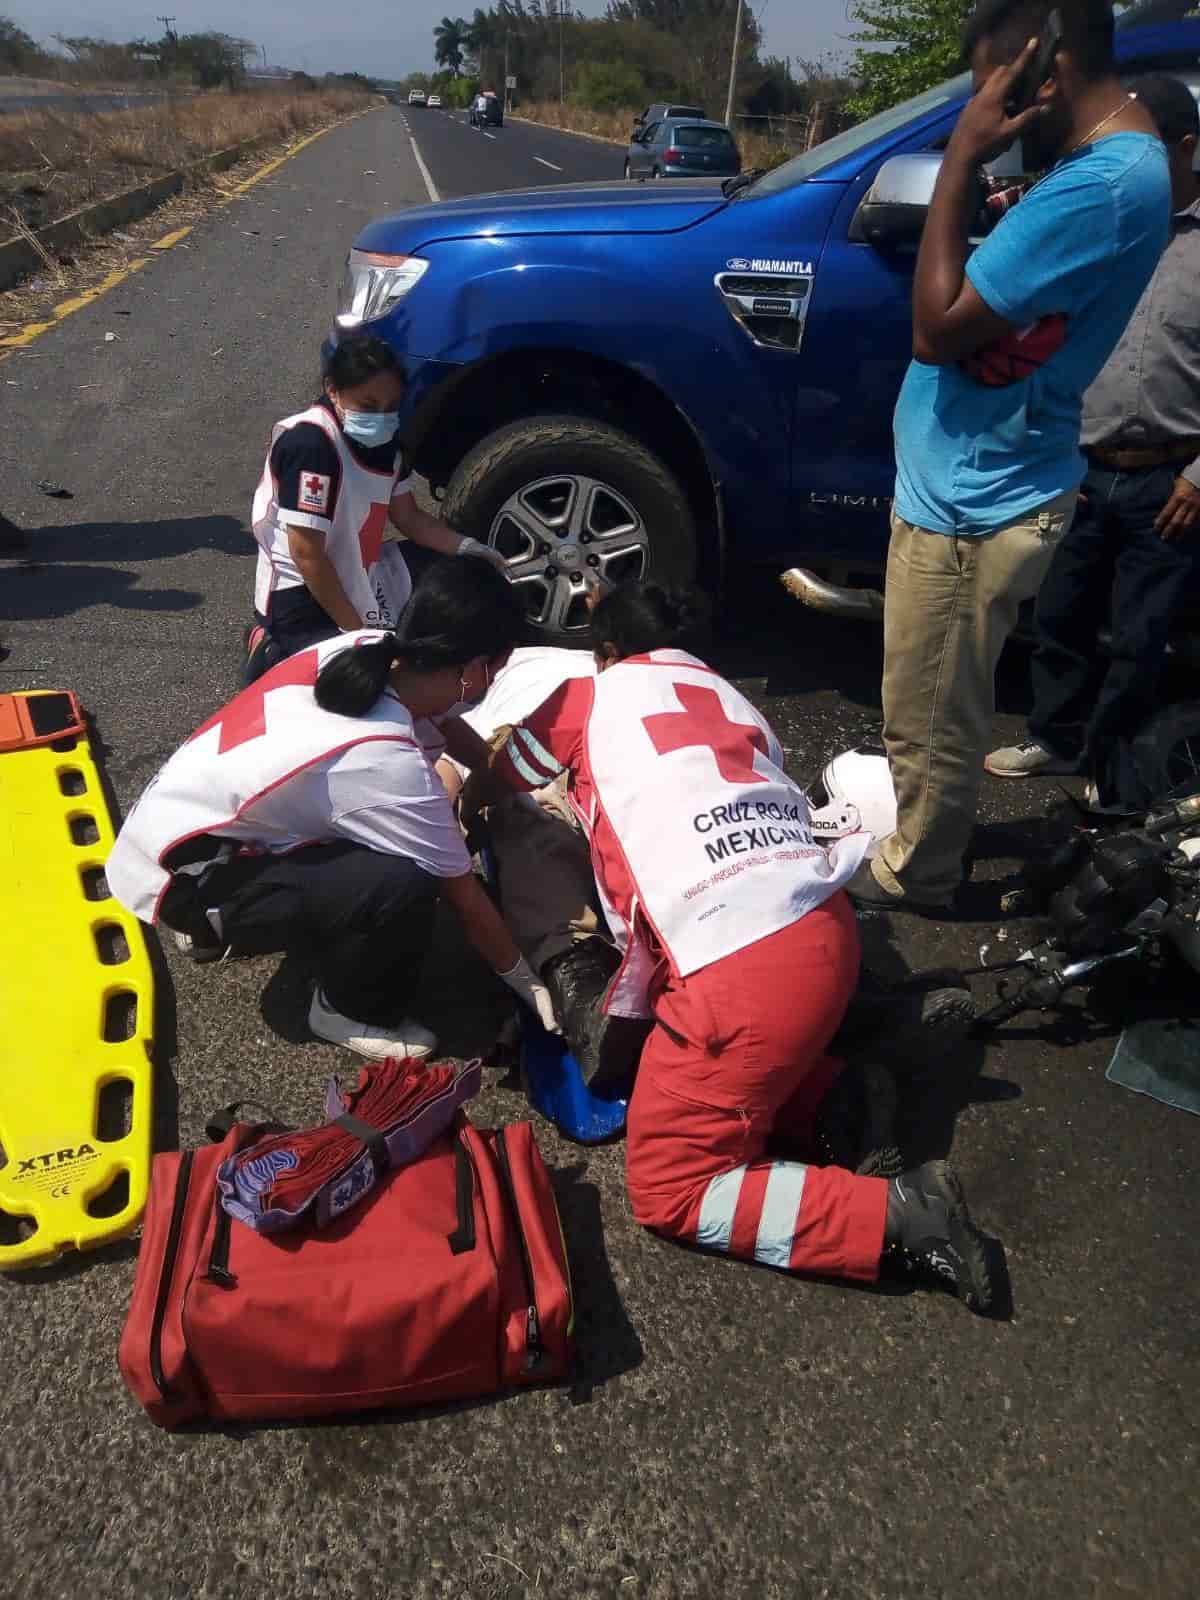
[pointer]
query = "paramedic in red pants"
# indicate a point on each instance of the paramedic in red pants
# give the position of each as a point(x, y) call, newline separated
point(737, 940)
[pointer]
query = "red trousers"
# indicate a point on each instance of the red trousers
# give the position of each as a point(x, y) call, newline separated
point(737, 1058)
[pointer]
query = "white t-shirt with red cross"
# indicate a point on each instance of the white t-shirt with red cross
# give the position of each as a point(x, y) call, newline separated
point(272, 771)
point(700, 841)
point(314, 477)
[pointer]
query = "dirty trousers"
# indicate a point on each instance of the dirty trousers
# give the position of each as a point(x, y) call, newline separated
point(949, 606)
point(545, 878)
point(735, 1063)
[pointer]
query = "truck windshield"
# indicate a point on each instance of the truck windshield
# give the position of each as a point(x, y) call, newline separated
point(815, 161)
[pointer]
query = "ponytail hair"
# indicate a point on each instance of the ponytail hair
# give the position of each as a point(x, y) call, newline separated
point(640, 617)
point(461, 609)
point(352, 681)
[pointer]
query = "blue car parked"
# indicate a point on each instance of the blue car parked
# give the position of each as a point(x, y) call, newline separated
point(677, 378)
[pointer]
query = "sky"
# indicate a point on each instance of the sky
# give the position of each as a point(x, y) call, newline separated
point(386, 37)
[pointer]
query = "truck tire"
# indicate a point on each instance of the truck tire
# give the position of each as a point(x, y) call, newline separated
point(563, 497)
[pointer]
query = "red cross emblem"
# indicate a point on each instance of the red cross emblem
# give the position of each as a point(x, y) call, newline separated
point(314, 485)
point(703, 722)
point(370, 535)
point(245, 717)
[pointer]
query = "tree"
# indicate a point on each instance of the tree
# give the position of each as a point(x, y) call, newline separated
point(450, 39)
point(213, 58)
point(18, 51)
point(925, 45)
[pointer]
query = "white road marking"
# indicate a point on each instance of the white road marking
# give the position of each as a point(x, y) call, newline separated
point(549, 164)
point(424, 170)
point(488, 135)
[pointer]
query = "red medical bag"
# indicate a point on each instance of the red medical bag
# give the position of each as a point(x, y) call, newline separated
point(449, 1281)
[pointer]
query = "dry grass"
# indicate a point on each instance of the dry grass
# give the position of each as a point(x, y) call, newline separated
point(757, 151)
point(51, 163)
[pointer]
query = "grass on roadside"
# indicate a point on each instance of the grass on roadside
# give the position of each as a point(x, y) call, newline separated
point(757, 151)
point(51, 163)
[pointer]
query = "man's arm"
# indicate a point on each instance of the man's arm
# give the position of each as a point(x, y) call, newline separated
point(463, 744)
point(1180, 517)
point(950, 317)
point(307, 546)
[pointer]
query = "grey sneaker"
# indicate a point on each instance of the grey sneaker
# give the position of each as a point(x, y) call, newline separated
point(1029, 759)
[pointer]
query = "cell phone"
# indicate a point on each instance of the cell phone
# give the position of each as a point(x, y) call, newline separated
point(1025, 89)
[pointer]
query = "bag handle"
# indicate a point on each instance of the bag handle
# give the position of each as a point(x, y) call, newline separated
point(463, 1237)
point(221, 1123)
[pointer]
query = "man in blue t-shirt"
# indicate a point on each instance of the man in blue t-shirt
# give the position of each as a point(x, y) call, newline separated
point(1005, 342)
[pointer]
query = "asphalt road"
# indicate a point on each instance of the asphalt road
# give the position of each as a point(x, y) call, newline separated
point(747, 1434)
point(466, 160)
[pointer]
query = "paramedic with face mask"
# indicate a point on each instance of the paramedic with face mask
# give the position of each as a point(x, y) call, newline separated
point(739, 943)
point(335, 477)
point(307, 814)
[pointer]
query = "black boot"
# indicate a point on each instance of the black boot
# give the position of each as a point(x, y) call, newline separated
point(929, 1232)
point(606, 1048)
point(907, 1027)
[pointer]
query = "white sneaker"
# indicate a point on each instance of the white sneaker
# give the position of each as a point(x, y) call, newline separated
point(408, 1038)
point(1027, 760)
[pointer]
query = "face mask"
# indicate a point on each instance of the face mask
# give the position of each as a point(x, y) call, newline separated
point(459, 706)
point(371, 428)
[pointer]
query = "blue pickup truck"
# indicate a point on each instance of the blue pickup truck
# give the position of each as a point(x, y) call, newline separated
point(680, 378)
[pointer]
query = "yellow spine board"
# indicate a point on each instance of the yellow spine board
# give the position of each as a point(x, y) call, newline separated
point(76, 1014)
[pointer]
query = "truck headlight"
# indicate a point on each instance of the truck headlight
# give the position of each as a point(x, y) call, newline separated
point(372, 284)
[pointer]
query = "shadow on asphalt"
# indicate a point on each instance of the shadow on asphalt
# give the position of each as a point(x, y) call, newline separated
point(61, 570)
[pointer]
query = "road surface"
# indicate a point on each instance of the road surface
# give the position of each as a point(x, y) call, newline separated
point(747, 1435)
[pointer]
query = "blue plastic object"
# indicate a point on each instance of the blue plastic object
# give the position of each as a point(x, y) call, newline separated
point(556, 1088)
point(552, 1076)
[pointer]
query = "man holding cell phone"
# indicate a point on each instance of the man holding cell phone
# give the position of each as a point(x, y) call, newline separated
point(1005, 342)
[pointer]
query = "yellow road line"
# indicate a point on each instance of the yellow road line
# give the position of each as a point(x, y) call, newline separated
point(168, 239)
point(67, 308)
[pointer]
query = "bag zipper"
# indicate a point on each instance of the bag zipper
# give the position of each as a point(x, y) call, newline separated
point(178, 1207)
point(218, 1261)
point(535, 1350)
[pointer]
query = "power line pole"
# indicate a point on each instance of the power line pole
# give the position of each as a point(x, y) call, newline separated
point(561, 80)
point(733, 64)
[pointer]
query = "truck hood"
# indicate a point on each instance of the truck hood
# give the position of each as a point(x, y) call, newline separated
point(563, 208)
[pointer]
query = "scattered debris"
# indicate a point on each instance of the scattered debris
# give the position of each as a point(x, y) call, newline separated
point(126, 238)
point(54, 490)
point(219, 351)
point(110, 338)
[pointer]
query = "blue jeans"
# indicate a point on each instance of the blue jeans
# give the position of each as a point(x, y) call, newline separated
point(1114, 568)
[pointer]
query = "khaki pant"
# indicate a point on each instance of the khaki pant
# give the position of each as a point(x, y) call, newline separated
point(544, 867)
point(949, 605)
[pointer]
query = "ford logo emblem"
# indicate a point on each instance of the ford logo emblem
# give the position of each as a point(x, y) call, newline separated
point(738, 264)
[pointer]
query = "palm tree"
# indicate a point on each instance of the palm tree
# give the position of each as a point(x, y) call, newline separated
point(449, 42)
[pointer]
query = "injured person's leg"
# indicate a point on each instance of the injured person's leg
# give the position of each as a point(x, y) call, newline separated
point(548, 892)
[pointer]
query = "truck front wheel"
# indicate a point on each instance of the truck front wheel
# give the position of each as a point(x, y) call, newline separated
point(562, 498)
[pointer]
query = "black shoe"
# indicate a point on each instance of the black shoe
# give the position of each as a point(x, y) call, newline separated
point(929, 1233)
point(856, 1122)
point(606, 1048)
point(910, 1027)
point(866, 891)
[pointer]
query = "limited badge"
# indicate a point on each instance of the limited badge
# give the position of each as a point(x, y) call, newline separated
point(314, 492)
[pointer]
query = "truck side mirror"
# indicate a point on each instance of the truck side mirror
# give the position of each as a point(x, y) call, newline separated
point(891, 215)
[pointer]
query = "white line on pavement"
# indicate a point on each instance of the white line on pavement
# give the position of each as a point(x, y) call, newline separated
point(549, 164)
point(429, 183)
point(488, 135)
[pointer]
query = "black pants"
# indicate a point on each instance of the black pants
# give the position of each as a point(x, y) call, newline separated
point(363, 918)
point(296, 623)
point(1112, 565)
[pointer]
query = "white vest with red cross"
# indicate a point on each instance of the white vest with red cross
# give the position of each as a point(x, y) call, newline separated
point(253, 774)
point(374, 576)
point(714, 848)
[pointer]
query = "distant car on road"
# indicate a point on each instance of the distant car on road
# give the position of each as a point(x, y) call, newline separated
point(416, 97)
point(683, 150)
point(665, 111)
point(434, 102)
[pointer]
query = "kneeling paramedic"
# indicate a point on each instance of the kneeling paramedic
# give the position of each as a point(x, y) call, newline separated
point(335, 477)
point(307, 814)
point(739, 943)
